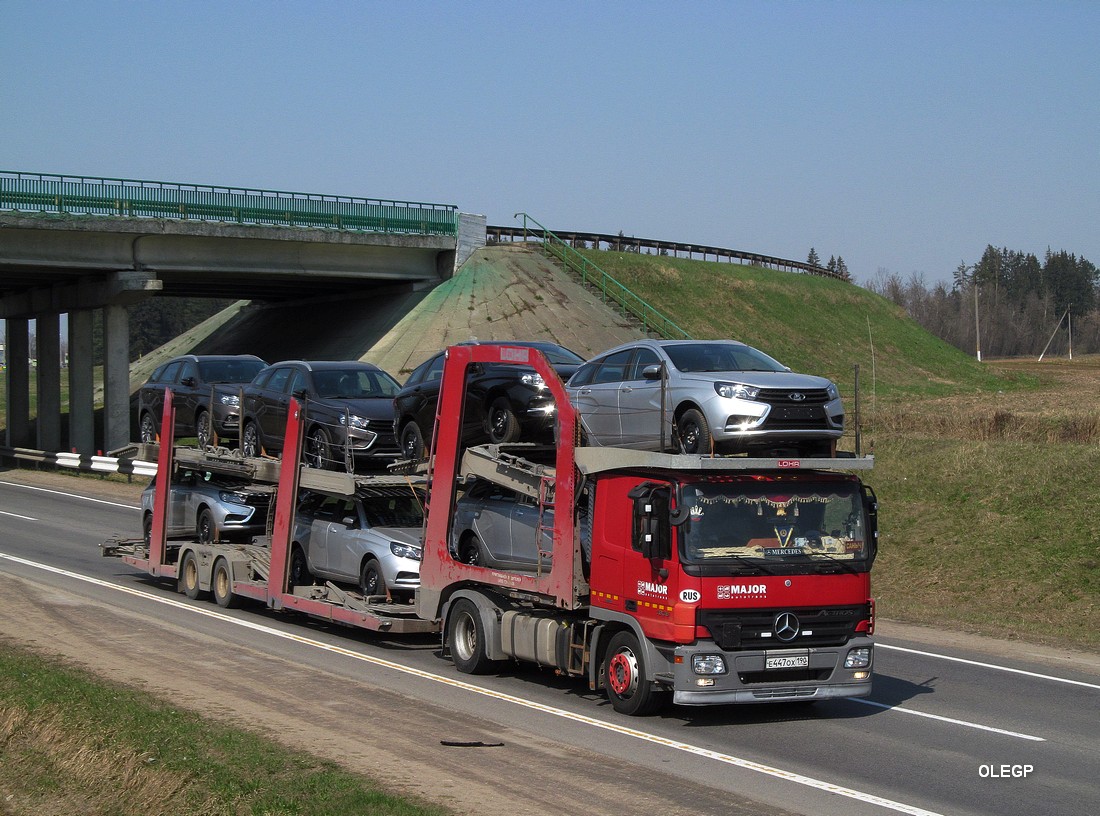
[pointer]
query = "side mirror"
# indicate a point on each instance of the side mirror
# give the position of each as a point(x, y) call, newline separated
point(188, 381)
point(300, 394)
point(651, 528)
point(652, 372)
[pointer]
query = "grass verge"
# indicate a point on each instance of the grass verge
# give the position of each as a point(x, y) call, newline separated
point(72, 744)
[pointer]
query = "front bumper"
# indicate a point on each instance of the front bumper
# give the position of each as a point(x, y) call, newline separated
point(748, 681)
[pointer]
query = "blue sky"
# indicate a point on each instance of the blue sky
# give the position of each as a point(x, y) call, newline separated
point(901, 136)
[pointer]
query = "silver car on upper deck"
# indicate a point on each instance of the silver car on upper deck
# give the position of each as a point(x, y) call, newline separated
point(721, 396)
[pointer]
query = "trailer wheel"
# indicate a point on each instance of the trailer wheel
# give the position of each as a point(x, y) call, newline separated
point(223, 585)
point(189, 576)
point(625, 678)
point(466, 637)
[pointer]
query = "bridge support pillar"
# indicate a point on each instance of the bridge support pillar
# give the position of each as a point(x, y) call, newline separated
point(116, 377)
point(47, 333)
point(81, 382)
point(18, 382)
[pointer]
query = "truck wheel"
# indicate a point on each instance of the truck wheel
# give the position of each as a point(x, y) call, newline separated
point(625, 678)
point(412, 442)
point(317, 449)
point(299, 568)
point(223, 585)
point(694, 433)
point(189, 576)
point(148, 429)
point(250, 440)
point(203, 430)
point(503, 423)
point(205, 528)
point(371, 581)
point(466, 637)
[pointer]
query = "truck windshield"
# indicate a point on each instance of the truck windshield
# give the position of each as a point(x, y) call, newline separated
point(774, 523)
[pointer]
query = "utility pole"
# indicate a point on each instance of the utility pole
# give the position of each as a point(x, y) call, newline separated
point(977, 331)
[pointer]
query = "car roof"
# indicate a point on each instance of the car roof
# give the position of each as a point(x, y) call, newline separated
point(326, 365)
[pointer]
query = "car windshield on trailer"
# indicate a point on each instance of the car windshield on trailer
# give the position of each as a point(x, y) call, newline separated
point(354, 384)
point(706, 357)
point(230, 371)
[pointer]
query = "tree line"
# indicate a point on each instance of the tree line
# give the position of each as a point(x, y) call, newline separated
point(1009, 302)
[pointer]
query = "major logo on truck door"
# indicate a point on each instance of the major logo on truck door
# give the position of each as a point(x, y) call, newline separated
point(649, 589)
point(728, 592)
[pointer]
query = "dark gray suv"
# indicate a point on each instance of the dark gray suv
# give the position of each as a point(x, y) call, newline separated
point(348, 412)
point(205, 393)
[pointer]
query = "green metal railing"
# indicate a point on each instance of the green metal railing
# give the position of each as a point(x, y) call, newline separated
point(610, 289)
point(38, 192)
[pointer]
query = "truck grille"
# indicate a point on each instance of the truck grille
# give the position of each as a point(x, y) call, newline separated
point(755, 628)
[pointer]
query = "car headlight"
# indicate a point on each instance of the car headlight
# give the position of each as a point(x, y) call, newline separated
point(833, 392)
point(736, 390)
point(708, 664)
point(231, 497)
point(354, 421)
point(534, 380)
point(231, 400)
point(858, 658)
point(405, 551)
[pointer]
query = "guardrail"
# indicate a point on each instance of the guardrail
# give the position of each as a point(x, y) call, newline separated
point(81, 461)
point(610, 289)
point(129, 198)
point(624, 243)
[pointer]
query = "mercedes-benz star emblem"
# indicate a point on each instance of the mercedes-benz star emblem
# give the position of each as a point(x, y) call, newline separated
point(786, 626)
point(796, 397)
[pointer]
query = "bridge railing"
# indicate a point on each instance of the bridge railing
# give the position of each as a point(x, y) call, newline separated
point(38, 192)
point(609, 288)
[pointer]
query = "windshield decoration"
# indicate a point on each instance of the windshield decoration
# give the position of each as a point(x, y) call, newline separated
point(821, 523)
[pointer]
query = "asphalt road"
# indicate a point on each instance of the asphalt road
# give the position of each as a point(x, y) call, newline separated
point(955, 725)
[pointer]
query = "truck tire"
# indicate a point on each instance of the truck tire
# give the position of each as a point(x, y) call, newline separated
point(466, 638)
point(189, 576)
point(694, 433)
point(223, 585)
point(625, 677)
point(503, 423)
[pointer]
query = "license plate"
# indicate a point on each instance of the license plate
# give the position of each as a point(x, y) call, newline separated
point(787, 662)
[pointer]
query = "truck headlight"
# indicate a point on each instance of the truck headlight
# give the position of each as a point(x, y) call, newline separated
point(736, 390)
point(858, 658)
point(708, 664)
point(405, 551)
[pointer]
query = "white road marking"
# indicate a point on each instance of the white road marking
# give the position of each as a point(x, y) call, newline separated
point(16, 515)
point(70, 495)
point(746, 764)
point(966, 723)
point(990, 666)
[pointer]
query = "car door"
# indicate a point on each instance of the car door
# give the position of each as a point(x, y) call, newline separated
point(153, 395)
point(319, 549)
point(640, 404)
point(524, 532)
point(492, 521)
point(345, 542)
point(598, 400)
point(273, 401)
point(186, 398)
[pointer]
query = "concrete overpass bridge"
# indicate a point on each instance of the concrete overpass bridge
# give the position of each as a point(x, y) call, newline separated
point(75, 245)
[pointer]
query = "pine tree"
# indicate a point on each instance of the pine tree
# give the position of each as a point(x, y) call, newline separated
point(813, 259)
